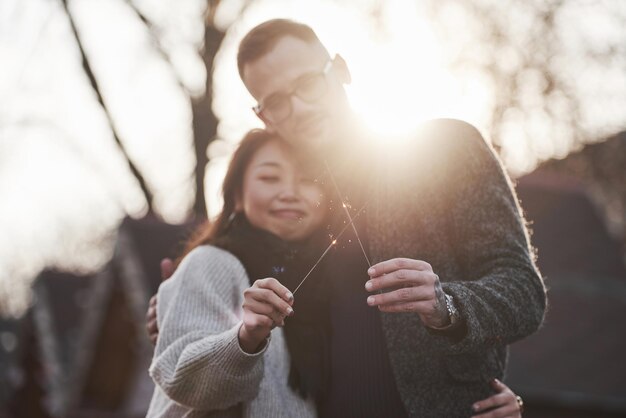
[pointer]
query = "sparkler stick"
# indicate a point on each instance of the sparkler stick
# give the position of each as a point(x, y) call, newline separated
point(315, 265)
point(345, 208)
point(334, 242)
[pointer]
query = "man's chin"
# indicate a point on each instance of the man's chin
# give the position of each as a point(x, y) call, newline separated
point(319, 141)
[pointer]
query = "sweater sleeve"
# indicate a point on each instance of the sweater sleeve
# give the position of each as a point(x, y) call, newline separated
point(198, 362)
point(501, 296)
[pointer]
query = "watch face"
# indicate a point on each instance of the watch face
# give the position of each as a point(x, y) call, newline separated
point(452, 312)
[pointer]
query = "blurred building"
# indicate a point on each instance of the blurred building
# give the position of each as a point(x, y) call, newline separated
point(82, 349)
point(572, 367)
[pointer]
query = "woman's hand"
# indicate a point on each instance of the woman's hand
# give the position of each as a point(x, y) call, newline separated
point(504, 404)
point(265, 305)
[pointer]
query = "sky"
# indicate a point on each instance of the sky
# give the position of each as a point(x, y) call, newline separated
point(65, 186)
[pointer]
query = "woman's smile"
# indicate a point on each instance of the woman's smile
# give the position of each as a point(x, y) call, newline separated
point(294, 214)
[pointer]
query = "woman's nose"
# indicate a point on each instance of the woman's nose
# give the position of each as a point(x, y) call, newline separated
point(290, 191)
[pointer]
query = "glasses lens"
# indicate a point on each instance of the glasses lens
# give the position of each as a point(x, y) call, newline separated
point(311, 88)
point(277, 108)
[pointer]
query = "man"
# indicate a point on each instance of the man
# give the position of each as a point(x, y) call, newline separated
point(453, 278)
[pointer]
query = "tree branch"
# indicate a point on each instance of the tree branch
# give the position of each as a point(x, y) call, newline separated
point(96, 88)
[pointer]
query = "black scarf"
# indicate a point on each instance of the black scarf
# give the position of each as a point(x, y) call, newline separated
point(307, 331)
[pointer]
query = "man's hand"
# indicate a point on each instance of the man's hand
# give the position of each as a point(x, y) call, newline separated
point(265, 305)
point(167, 269)
point(417, 289)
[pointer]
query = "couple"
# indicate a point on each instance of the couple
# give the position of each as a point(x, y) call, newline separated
point(453, 278)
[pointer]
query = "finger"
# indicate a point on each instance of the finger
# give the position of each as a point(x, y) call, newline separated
point(269, 298)
point(493, 401)
point(267, 320)
point(418, 307)
point(508, 395)
point(278, 319)
point(152, 326)
point(260, 308)
point(499, 386)
point(275, 286)
point(403, 295)
point(151, 312)
point(400, 278)
point(167, 268)
point(389, 266)
point(153, 331)
point(506, 411)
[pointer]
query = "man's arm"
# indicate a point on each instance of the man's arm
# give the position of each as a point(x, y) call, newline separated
point(500, 294)
point(500, 297)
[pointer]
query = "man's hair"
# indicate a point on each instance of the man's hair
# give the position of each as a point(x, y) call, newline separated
point(262, 38)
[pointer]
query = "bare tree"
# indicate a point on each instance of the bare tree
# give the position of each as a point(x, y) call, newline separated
point(521, 48)
point(96, 88)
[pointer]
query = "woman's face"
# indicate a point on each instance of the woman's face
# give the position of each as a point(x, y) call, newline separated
point(278, 197)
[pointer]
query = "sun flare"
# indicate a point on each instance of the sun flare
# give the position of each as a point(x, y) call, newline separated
point(406, 83)
point(399, 78)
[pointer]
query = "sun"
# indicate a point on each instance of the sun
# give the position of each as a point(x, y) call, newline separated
point(399, 76)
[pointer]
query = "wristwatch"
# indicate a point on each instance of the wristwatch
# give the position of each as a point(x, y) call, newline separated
point(453, 313)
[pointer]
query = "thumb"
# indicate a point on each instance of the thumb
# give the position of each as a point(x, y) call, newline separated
point(167, 268)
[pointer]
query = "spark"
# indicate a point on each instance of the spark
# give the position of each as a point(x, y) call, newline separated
point(345, 208)
point(333, 243)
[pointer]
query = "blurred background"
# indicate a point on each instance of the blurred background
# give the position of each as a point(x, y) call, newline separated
point(118, 117)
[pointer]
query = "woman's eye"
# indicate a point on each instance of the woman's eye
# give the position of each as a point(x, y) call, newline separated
point(269, 179)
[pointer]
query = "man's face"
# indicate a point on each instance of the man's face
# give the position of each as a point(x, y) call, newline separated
point(289, 66)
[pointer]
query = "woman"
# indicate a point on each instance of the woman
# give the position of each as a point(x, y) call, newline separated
point(214, 357)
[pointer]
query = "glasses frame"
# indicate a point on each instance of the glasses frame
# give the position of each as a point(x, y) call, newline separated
point(259, 108)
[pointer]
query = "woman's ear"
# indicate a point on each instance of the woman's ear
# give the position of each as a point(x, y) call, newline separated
point(342, 70)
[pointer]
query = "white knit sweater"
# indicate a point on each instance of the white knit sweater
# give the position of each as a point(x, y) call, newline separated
point(198, 366)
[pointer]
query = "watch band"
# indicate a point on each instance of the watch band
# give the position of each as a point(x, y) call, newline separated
point(453, 313)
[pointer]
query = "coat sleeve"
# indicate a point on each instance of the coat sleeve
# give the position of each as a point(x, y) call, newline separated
point(198, 362)
point(501, 296)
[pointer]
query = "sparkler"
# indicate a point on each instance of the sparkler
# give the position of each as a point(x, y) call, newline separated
point(334, 242)
point(345, 208)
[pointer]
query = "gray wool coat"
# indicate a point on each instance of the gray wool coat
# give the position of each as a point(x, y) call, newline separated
point(444, 198)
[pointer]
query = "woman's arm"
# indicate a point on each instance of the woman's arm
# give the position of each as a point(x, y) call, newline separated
point(198, 361)
point(504, 404)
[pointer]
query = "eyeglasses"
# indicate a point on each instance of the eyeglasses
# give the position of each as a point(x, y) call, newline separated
point(310, 88)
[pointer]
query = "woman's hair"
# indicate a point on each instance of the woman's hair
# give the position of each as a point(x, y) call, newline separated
point(231, 189)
